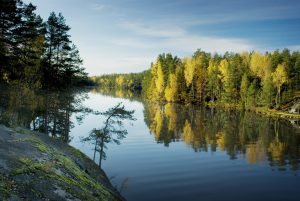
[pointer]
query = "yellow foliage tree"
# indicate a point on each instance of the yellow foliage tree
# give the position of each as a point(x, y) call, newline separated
point(279, 78)
point(172, 89)
point(224, 71)
point(189, 69)
point(260, 65)
point(159, 81)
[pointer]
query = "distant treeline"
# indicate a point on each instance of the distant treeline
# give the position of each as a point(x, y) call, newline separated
point(131, 81)
point(36, 53)
point(245, 80)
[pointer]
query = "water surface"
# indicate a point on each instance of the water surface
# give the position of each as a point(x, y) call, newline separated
point(172, 152)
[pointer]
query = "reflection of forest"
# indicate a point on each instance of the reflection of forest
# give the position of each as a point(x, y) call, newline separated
point(119, 93)
point(239, 134)
point(46, 112)
point(248, 135)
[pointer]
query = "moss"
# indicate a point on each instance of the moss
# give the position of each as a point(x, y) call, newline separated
point(29, 166)
point(73, 179)
point(40, 145)
point(80, 179)
point(75, 152)
point(36, 143)
point(5, 187)
point(58, 169)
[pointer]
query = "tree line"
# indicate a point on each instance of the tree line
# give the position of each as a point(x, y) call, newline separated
point(130, 81)
point(246, 80)
point(36, 53)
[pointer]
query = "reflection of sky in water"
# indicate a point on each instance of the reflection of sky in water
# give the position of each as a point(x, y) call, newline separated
point(145, 170)
point(101, 103)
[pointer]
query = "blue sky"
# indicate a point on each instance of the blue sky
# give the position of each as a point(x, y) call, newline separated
point(119, 36)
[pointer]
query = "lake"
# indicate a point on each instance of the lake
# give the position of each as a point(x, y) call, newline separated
point(171, 152)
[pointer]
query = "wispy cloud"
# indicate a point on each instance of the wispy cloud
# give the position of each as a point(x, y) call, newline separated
point(172, 38)
point(190, 43)
point(159, 30)
point(97, 6)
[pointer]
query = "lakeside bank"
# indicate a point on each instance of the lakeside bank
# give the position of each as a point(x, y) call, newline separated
point(258, 110)
point(34, 166)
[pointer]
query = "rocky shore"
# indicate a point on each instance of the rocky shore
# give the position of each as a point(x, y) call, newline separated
point(36, 167)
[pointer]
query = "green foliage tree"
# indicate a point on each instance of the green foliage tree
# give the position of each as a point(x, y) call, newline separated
point(213, 80)
point(267, 91)
point(244, 90)
point(35, 53)
point(251, 96)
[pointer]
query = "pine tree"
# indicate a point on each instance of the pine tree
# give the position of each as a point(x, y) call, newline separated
point(58, 48)
point(251, 96)
point(244, 90)
point(10, 19)
point(267, 91)
point(31, 33)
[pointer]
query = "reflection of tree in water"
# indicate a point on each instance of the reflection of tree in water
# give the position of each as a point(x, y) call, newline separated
point(58, 108)
point(47, 112)
point(238, 134)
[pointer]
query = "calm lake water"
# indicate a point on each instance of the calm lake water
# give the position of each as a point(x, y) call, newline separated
point(171, 152)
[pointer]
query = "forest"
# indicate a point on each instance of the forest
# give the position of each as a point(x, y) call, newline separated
point(245, 80)
point(130, 81)
point(35, 53)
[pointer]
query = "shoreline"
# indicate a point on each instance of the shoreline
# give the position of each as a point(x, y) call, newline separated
point(226, 106)
point(258, 110)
